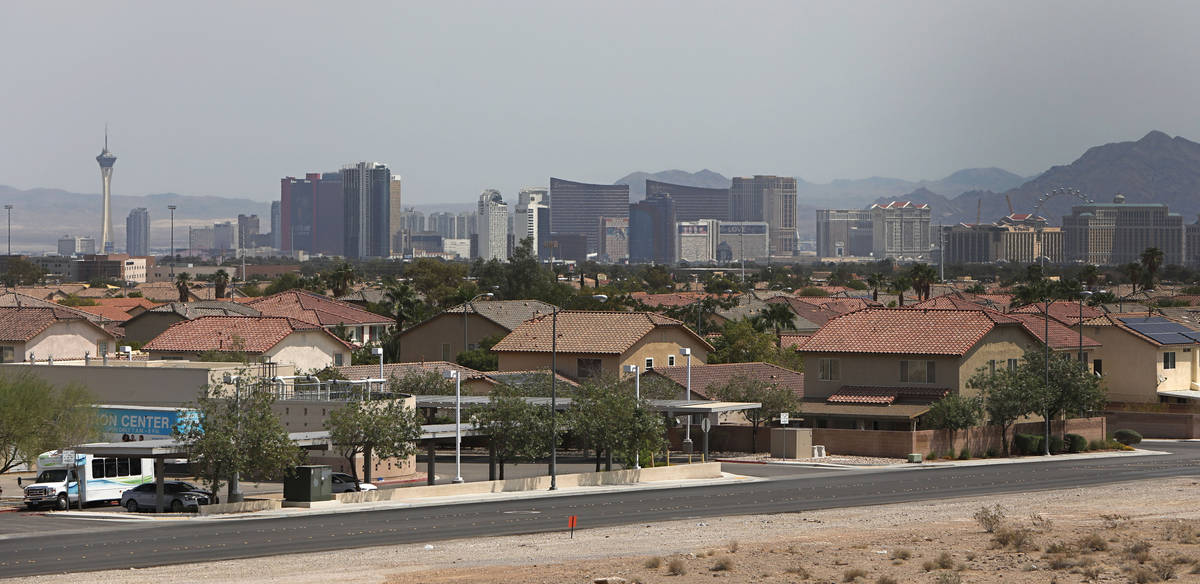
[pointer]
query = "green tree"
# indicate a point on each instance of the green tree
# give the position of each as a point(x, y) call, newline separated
point(1136, 274)
point(1006, 398)
point(955, 412)
point(36, 416)
point(657, 278)
point(436, 280)
point(740, 342)
point(341, 279)
point(606, 415)
point(221, 282)
point(1152, 259)
point(406, 308)
point(899, 285)
point(481, 358)
point(1072, 389)
point(774, 399)
point(876, 281)
point(922, 276)
point(183, 282)
point(22, 272)
point(417, 381)
point(778, 315)
point(385, 428)
point(519, 430)
point(231, 436)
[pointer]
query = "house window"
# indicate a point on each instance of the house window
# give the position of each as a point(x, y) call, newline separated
point(1097, 367)
point(337, 359)
point(992, 366)
point(102, 348)
point(1012, 365)
point(670, 360)
point(829, 369)
point(1169, 360)
point(588, 368)
point(649, 363)
point(445, 351)
point(917, 371)
point(7, 354)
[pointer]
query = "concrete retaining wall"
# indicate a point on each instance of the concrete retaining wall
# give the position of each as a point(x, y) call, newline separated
point(243, 507)
point(589, 479)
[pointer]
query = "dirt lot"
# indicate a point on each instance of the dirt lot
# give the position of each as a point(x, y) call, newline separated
point(1133, 532)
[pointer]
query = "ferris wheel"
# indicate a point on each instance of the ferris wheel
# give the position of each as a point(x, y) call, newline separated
point(1059, 192)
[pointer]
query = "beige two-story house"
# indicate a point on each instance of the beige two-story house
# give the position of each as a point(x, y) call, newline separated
point(1145, 358)
point(463, 327)
point(881, 368)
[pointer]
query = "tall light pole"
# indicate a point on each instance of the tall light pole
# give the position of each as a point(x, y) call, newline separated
point(469, 306)
point(1046, 379)
point(453, 374)
point(172, 208)
point(378, 352)
point(637, 396)
point(687, 398)
point(1082, 295)
point(554, 393)
point(235, 488)
point(9, 209)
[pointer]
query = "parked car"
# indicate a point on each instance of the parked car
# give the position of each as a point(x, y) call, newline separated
point(344, 483)
point(178, 496)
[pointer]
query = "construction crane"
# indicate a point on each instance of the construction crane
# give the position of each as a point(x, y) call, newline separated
point(1010, 207)
point(978, 211)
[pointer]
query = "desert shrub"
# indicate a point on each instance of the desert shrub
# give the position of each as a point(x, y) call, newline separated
point(853, 574)
point(1164, 570)
point(1041, 522)
point(1114, 520)
point(1142, 575)
point(1057, 547)
point(1057, 445)
point(1127, 437)
point(1092, 542)
point(1027, 444)
point(733, 546)
point(949, 578)
point(1076, 443)
point(931, 456)
point(901, 554)
point(723, 564)
point(945, 561)
point(1018, 538)
point(929, 565)
point(1096, 445)
point(798, 571)
point(964, 454)
point(1092, 572)
point(1195, 569)
point(992, 452)
point(1061, 562)
point(1180, 532)
point(885, 579)
point(1138, 551)
point(990, 518)
point(653, 563)
point(676, 567)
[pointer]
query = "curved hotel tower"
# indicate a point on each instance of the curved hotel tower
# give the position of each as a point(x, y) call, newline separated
point(107, 160)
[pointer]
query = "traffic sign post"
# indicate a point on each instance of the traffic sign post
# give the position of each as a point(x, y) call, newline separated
point(783, 419)
point(571, 523)
point(705, 424)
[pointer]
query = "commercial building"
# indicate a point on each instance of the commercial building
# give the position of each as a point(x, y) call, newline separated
point(696, 241)
point(395, 207)
point(844, 233)
point(1020, 238)
point(614, 240)
point(200, 238)
point(226, 236)
point(493, 226)
point(72, 246)
point(367, 222)
point(693, 203)
point(742, 241)
point(576, 208)
point(1116, 233)
point(248, 227)
point(312, 213)
point(137, 232)
point(532, 217)
point(652, 230)
point(771, 199)
point(444, 224)
point(276, 225)
point(459, 248)
point(900, 230)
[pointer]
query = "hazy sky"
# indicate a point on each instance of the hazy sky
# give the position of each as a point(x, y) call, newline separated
point(225, 98)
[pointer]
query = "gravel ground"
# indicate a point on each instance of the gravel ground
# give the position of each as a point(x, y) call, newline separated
point(896, 541)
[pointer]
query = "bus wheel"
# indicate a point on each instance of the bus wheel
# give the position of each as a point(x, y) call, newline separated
point(63, 503)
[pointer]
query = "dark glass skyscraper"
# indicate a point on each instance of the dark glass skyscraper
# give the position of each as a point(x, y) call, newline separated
point(137, 232)
point(576, 208)
point(693, 203)
point(652, 230)
point(767, 198)
point(367, 187)
point(311, 213)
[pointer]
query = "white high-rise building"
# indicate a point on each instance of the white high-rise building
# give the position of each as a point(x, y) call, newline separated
point(531, 204)
point(493, 226)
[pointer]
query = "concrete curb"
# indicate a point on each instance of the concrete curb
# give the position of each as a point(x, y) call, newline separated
point(806, 464)
point(950, 463)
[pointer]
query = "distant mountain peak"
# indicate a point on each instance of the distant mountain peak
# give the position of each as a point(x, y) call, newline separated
point(700, 178)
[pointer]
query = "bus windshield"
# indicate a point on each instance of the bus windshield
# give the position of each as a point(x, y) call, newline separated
point(52, 476)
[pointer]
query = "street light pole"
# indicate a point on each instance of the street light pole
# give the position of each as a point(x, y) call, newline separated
point(687, 398)
point(1046, 380)
point(235, 488)
point(637, 397)
point(470, 306)
point(172, 208)
point(553, 400)
point(378, 352)
point(1082, 295)
point(9, 209)
point(454, 374)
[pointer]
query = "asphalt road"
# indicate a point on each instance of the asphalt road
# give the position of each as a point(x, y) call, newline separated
point(109, 545)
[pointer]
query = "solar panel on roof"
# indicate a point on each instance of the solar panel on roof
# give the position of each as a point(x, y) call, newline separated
point(1161, 330)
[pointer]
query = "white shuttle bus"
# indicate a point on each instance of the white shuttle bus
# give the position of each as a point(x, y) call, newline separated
point(105, 479)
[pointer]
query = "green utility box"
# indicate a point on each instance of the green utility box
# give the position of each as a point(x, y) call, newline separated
point(309, 483)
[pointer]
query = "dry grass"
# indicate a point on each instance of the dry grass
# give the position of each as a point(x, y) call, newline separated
point(723, 564)
point(885, 579)
point(1093, 542)
point(853, 574)
point(1017, 538)
point(990, 518)
point(653, 563)
point(798, 571)
point(1138, 551)
point(902, 554)
point(676, 567)
point(733, 546)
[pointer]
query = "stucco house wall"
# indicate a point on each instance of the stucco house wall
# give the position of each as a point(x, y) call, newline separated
point(426, 342)
point(69, 339)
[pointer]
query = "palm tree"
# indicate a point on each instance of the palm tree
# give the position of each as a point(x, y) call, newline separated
point(901, 283)
point(405, 306)
point(1152, 260)
point(182, 283)
point(221, 281)
point(922, 276)
point(875, 281)
point(341, 279)
point(779, 316)
point(1136, 273)
point(1090, 275)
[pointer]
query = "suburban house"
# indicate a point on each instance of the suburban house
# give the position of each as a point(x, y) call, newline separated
point(815, 311)
point(706, 376)
point(473, 382)
point(151, 323)
point(267, 338)
point(1145, 358)
point(42, 333)
point(362, 326)
point(1064, 311)
point(881, 369)
point(118, 310)
point(442, 337)
point(593, 343)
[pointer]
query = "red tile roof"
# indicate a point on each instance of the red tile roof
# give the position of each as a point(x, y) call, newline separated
point(20, 324)
point(581, 331)
point(820, 310)
point(355, 372)
point(850, 394)
point(790, 340)
point(316, 309)
point(249, 334)
point(705, 376)
point(1062, 337)
point(1064, 311)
